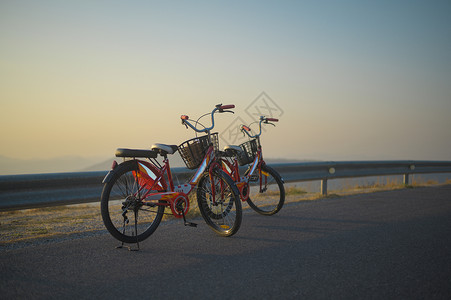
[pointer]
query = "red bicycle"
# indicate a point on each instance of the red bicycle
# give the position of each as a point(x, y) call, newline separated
point(137, 191)
point(261, 186)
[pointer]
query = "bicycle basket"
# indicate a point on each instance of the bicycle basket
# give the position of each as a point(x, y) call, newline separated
point(193, 151)
point(248, 154)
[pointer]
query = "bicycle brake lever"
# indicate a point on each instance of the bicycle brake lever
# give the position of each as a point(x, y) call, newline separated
point(266, 122)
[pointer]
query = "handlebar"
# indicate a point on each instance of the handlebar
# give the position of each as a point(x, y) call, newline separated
point(230, 106)
point(245, 129)
point(218, 108)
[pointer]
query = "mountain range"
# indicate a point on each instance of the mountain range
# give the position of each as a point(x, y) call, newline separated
point(13, 166)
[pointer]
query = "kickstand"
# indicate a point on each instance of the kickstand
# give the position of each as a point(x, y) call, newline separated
point(122, 246)
point(187, 223)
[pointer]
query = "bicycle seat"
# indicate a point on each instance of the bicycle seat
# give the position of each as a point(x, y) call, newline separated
point(164, 149)
point(123, 152)
point(232, 148)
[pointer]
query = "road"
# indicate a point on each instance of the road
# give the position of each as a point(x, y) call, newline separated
point(384, 245)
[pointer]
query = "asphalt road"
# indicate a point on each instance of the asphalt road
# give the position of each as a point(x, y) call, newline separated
point(385, 245)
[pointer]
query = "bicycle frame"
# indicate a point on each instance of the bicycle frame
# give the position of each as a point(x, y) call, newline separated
point(152, 178)
point(232, 169)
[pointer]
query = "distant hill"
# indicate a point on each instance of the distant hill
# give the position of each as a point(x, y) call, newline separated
point(13, 166)
point(285, 160)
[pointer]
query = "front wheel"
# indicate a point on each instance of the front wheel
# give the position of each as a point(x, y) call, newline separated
point(223, 211)
point(267, 193)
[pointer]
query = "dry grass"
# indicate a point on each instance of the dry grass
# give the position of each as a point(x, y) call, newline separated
point(57, 221)
point(47, 222)
point(382, 184)
point(294, 190)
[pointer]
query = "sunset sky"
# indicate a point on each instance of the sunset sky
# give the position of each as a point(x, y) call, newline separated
point(349, 80)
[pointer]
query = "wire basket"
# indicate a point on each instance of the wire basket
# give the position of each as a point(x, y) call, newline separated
point(248, 154)
point(193, 151)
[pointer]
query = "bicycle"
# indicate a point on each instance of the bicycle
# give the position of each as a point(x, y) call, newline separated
point(261, 186)
point(137, 191)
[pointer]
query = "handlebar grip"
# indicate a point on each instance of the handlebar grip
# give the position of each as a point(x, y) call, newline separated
point(245, 128)
point(227, 106)
point(184, 117)
point(272, 120)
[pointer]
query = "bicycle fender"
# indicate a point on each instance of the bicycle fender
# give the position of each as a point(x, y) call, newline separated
point(107, 177)
point(150, 173)
point(111, 172)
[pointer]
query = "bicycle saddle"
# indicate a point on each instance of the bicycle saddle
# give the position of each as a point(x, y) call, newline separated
point(164, 149)
point(233, 148)
point(123, 152)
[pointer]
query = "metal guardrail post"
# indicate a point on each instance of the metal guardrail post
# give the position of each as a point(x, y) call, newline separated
point(324, 187)
point(406, 179)
point(406, 175)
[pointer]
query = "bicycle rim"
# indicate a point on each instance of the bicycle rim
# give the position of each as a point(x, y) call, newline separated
point(122, 211)
point(267, 193)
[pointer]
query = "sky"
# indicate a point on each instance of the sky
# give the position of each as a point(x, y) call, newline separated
point(349, 80)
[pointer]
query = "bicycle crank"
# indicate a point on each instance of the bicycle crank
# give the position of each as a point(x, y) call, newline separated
point(180, 206)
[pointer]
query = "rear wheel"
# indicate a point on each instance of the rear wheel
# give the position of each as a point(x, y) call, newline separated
point(223, 212)
point(267, 193)
point(123, 212)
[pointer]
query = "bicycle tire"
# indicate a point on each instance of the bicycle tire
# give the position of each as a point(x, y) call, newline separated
point(225, 214)
point(271, 198)
point(118, 204)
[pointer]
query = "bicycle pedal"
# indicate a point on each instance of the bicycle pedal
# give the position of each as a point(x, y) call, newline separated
point(253, 178)
point(190, 224)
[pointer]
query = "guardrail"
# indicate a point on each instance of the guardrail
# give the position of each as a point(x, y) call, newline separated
point(40, 190)
point(325, 171)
